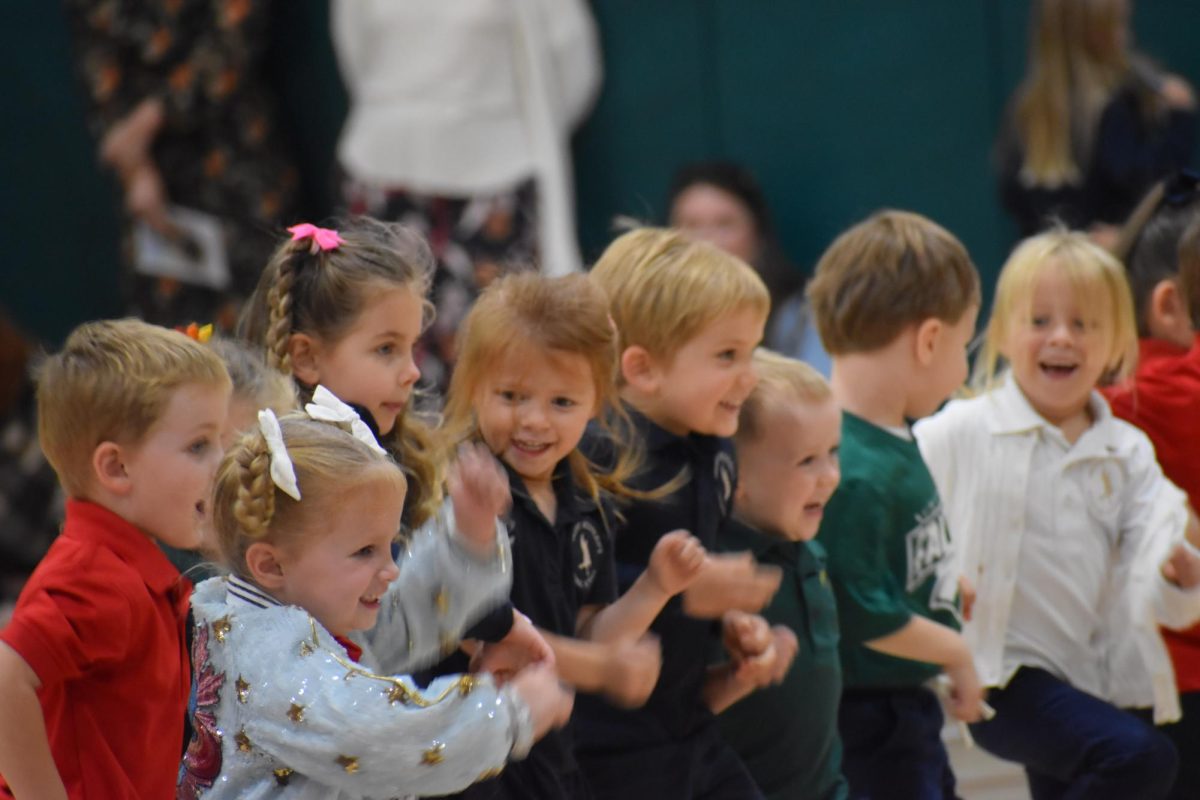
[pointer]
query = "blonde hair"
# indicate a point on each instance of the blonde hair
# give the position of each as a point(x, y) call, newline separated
point(1076, 64)
point(665, 288)
point(252, 379)
point(780, 380)
point(111, 382)
point(249, 508)
point(322, 294)
point(560, 315)
point(892, 270)
point(1090, 269)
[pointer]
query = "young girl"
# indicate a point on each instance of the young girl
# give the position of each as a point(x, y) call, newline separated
point(344, 308)
point(536, 364)
point(1071, 534)
point(1093, 124)
point(295, 652)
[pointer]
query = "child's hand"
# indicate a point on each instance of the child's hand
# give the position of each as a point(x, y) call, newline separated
point(479, 491)
point(965, 698)
point(1182, 567)
point(676, 561)
point(761, 655)
point(632, 671)
point(522, 647)
point(549, 701)
point(730, 581)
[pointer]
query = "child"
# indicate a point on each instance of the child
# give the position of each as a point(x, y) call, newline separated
point(93, 668)
point(688, 317)
point(1163, 399)
point(895, 298)
point(787, 445)
point(536, 363)
point(343, 309)
point(294, 651)
point(1065, 518)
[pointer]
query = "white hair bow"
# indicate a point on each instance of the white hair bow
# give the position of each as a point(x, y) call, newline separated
point(283, 473)
point(326, 407)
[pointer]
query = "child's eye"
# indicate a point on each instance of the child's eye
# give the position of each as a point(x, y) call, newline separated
point(807, 461)
point(1038, 322)
point(365, 552)
point(385, 349)
point(564, 402)
point(727, 355)
point(507, 395)
point(199, 446)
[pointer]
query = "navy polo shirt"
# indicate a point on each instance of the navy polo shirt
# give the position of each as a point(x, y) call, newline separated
point(700, 505)
point(558, 568)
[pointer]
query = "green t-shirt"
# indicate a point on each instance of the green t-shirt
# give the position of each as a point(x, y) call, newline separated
point(788, 734)
point(890, 553)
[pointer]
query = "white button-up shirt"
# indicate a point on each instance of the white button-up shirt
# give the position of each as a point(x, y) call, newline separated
point(1064, 544)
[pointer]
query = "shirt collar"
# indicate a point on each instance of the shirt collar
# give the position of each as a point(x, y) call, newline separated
point(1012, 413)
point(246, 592)
point(1151, 349)
point(91, 522)
point(658, 438)
point(565, 492)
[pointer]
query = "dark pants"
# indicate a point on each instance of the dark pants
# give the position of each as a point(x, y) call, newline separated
point(892, 745)
point(699, 767)
point(1185, 734)
point(1074, 745)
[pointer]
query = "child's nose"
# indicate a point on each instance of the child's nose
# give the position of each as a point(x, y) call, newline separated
point(533, 415)
point(390, 571)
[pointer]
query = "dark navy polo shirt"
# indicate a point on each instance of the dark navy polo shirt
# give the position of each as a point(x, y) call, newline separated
point(700, 505)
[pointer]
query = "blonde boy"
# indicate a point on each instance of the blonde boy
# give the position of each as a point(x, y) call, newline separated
point(688, 318)
point(895, 300)
point(93, 667)
point(787, 455)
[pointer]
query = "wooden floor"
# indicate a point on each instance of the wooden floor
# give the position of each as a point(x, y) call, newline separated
point(981, 776)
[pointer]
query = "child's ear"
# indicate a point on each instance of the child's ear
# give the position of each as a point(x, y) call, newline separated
point(641, 370)
point(305, 352)
point(262, 560)
point(925, 340)
point(108, 466)
point(1168, 316)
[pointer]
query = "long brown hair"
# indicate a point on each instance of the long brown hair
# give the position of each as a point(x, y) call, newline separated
point(322, 293)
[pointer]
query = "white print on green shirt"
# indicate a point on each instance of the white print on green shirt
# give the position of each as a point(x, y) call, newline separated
point(930, 552)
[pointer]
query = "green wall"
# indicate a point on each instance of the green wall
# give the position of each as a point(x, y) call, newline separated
point(840, 106)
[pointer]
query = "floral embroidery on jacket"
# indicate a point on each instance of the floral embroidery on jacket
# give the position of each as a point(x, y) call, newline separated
point(202, 761)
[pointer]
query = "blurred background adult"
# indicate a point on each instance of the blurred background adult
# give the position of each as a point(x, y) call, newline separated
point(1093, 124)
point(460, 122)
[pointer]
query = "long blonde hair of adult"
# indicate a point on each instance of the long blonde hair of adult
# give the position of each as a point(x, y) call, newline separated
point(321, 293)
point(567, 315)
point(1077, 60)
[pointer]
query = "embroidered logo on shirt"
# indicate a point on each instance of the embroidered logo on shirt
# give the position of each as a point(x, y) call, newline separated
point(1104, 486)
point(724, 473)
point(589, 549)
point(930, 553)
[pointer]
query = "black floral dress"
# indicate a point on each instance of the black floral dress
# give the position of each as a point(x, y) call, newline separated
point(219, 149)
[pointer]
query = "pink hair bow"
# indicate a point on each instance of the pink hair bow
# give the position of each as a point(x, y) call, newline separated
point(322, 238)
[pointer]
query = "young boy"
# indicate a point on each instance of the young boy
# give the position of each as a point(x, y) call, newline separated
point(93, 667)
point(688, 318)
point(787, 445)
point(895, 299)
point(1163, 399)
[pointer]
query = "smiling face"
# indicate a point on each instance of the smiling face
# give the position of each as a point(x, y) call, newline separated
point(372, 364)
point(1061, 348)
point(171, 469)
point(338, 570)
point(701, 388)
point(788, 472)
point(533, 406)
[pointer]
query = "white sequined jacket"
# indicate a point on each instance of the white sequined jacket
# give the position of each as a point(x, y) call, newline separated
point(282, 711)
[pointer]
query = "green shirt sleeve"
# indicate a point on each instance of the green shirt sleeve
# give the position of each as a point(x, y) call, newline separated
point(870, 599)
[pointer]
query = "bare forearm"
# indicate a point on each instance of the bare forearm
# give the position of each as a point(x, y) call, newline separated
point(581, 664)
point(722, 689)
point(924, 640)
point(629, 616)
point(25, 759)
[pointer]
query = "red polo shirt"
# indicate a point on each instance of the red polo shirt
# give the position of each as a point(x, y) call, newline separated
point(101, 622)
point(1164, 401)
